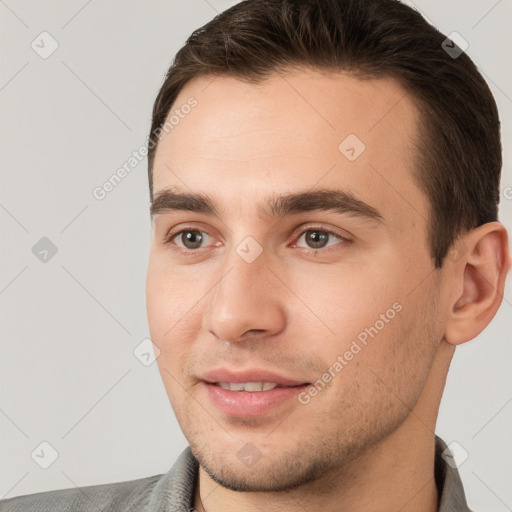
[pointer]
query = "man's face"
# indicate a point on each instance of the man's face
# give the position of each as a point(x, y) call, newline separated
point(346, 297)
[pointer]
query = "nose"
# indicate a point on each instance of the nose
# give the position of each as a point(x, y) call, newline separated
point(247, 302)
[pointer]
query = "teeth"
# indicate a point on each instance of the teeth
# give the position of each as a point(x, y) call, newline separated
point(247, 386)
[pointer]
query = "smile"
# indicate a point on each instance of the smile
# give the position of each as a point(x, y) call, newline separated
point(247, 386)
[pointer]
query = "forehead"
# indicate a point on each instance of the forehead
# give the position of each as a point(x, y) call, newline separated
point(296, 130)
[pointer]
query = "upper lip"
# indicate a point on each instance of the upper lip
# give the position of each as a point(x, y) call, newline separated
point(251, 375)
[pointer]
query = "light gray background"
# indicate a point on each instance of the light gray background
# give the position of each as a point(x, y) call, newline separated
point(69, 326)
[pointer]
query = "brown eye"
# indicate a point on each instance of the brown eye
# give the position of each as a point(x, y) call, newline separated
point(318, 239)
point(190, 239)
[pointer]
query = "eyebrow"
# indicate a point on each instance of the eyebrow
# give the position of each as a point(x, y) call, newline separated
point(336, 201)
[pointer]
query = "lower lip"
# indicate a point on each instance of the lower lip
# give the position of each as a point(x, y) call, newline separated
point(251, 404)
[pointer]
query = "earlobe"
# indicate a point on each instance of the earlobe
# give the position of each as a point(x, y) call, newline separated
point(481, 274)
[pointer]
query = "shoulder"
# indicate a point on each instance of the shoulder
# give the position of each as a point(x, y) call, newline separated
point(171, 491)
point(106, 497)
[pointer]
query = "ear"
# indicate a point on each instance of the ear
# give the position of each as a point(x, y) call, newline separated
point(482, 264)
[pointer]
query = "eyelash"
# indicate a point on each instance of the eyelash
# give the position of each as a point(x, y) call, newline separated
point(168, 240)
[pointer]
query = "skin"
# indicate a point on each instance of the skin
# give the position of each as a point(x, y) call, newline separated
point(366, 441)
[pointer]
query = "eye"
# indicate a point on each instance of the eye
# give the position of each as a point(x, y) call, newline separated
point(188, 239)
point(316, 239)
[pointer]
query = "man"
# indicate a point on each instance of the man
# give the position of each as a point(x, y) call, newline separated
point(324, 179)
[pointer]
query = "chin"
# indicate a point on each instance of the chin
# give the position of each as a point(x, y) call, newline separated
point(281, 473)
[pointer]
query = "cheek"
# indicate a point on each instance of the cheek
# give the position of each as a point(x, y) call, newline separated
point(400, 356)
point(376, 330)
point(170, 298)
point(174, 321)
point(343, 304)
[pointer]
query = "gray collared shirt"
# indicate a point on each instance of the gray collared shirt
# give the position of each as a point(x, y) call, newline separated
point(174, 492)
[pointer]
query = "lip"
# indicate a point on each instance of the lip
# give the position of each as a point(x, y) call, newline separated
point(252, 375)
point(247, 403)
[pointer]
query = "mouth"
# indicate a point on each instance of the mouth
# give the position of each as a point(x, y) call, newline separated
point(238, 396)
point(252, 387)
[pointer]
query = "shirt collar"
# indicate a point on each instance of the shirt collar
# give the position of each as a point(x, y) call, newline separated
point(449, 485)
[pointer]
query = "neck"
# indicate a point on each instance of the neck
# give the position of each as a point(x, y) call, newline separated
point(395, 474)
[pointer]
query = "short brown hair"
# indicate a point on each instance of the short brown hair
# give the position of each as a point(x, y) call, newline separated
point(459, 149)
